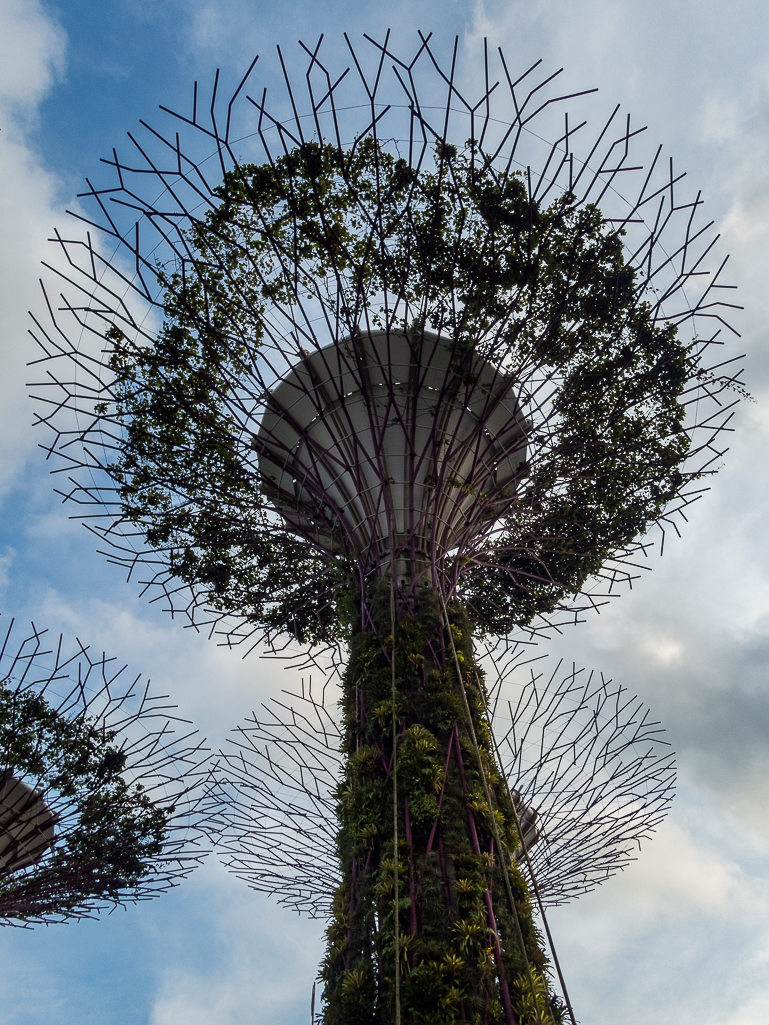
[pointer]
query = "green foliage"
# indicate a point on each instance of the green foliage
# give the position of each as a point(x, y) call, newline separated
point(448, 961)
point(181, 475)
point(458, 247)
point(111, 831)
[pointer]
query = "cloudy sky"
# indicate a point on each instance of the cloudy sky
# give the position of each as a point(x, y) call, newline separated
point(682, 936)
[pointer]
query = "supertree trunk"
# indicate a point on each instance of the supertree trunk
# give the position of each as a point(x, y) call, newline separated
point(467, 953)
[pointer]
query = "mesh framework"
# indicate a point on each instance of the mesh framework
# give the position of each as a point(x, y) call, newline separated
point(579, 749)
point(146, 218)
point(76, 722)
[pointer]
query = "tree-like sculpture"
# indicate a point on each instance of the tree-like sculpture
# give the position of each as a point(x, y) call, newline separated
point(584, 755)
point(100, 788)
point(403, 389)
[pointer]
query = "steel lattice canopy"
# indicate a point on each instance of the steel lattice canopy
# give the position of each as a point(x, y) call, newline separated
point(388, 434)
point(27, 824)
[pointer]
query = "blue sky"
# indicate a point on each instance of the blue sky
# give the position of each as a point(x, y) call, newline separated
point(681, 937)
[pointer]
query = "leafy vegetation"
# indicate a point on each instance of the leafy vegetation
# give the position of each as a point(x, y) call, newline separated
point(110, 832)
point(542, 292)
point(452, 895)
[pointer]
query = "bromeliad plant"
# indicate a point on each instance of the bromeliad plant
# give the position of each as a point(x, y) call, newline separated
point(399, 392)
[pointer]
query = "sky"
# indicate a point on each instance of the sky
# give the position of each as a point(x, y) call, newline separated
point(682, 936)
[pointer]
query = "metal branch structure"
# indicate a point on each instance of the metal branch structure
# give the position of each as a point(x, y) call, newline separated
point(409, 356)
point(100, 786)
point(587, 755)
point(274, 804)
point(578, 749)
point(292, 309)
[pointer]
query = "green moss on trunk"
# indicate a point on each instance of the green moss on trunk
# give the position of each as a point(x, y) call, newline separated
point(460, 956)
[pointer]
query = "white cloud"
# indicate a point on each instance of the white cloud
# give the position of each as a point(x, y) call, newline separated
point(6, 561)
point(680, 936)
point(265, 962)
point(211, 684)
point(755, 1012)
point(32, 48)
point(679, 875)
point(743, 179)
point(32, 56)
point(719, 118)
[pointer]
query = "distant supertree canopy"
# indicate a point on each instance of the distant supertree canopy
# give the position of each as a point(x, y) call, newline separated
point(407, 357)
point(99, 786)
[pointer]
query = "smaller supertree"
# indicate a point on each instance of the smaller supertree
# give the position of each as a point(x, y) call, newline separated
point(585, 761)
point(99, 786)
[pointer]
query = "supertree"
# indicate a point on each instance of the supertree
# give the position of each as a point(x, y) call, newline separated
point(426, 367)
point(100, 787)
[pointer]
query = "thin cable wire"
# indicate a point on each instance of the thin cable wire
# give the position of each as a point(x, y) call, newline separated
point(396, 859)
